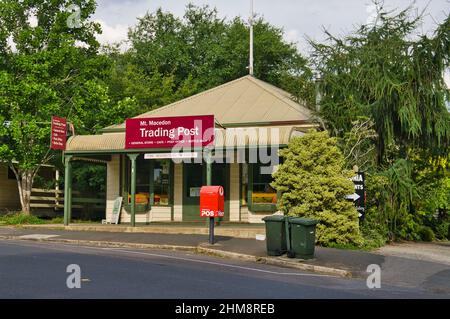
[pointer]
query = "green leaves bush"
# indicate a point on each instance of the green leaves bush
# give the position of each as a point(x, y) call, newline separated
point(20, 219)
point(314, 183)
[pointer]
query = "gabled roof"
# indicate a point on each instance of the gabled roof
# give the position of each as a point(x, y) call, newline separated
point(245, 100)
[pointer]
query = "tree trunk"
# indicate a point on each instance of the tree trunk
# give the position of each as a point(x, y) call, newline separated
point(24, 184)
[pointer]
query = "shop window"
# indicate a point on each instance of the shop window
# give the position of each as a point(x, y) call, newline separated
point(153, 180)
point(161, 182)
point(262, 197)
point(142, 180)
point(262, 192)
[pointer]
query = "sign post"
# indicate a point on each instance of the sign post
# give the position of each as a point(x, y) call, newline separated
point(359, 196)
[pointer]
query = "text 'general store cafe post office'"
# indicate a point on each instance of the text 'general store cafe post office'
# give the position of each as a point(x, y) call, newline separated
point(228, 136)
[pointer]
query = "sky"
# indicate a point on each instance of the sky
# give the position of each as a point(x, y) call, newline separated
point(300, 19)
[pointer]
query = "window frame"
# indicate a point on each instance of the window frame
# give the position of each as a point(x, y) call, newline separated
point(125, 184)
point(257, 207)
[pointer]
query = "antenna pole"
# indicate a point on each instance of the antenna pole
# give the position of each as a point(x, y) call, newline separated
point(250, 67)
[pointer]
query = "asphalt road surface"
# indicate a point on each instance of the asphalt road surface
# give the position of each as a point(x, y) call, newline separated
point(39, 270)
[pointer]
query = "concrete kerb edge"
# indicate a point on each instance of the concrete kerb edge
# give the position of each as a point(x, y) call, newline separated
point(197, 249)
point(241, 233)
point(277, 262)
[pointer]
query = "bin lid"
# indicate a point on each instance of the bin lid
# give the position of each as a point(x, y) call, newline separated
point(274, 218)
point(303, 221)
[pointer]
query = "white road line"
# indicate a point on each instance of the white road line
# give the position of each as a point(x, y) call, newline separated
point(217, 263)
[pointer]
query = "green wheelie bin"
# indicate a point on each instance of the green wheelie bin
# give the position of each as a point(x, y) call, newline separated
point(302, 237)
point(275, 235)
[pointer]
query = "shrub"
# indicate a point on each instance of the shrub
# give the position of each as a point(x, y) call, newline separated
point(443, 231)
point(313, 183)
point(426, 233)
point(20, 219)
point(56, 220)
point(374, 232)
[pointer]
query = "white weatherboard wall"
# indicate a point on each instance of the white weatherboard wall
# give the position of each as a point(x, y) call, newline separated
point(234, 192)
point(255, 217)
point(160, 214)
point(178, 192)
point(252, 217)
point(9, 193)
point(112, 184)
point(244, 214)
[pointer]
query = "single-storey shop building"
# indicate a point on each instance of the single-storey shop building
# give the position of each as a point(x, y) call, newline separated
point(252, 120)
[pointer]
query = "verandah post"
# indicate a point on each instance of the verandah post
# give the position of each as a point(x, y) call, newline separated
point(208, 183)
point(67, 189)
point(133, 188)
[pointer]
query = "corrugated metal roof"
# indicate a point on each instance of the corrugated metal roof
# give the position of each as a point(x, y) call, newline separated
point(105, 142)
point(245, 100)
point(224, 138)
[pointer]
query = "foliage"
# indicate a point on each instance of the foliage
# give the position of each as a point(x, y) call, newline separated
point(374, 229)
point(388, 74)
point(171, 58)
point(20, 219)
point(89, 178)
point(391, 192)
point(383, 95)
point(426, 233)
point(46, 69)
point(357, 145)
point(443, 231)
point(313, 183)
point(27, 219)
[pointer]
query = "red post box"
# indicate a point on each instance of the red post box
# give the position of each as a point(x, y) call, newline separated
point(212, 201)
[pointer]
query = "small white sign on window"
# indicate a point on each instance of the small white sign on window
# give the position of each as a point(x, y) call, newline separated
point(268, 169)
point(194, 192)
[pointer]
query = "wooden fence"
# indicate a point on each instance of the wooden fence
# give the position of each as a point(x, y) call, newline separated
point(54, 198)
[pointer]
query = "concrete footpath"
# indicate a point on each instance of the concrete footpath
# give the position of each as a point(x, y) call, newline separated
point(398, 267)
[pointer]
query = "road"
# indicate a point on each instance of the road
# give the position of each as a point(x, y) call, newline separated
point(38, 270)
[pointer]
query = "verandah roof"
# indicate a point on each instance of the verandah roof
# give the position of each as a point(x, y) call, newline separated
point(224, 138)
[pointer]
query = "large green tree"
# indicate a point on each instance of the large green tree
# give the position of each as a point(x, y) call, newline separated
point(388, 73)
point(171, 58)
point(49, 65)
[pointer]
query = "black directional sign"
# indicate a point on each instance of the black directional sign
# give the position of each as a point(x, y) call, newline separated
point(358, 197)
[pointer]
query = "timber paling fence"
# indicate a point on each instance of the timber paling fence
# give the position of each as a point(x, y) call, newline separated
point(54, 198)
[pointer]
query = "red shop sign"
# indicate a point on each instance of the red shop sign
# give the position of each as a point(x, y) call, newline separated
point(168, 132)
point(59, 133)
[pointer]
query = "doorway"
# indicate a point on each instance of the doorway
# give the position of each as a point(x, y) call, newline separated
point(194, 177)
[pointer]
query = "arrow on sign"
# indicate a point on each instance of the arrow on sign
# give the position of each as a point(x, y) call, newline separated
point(353, 196)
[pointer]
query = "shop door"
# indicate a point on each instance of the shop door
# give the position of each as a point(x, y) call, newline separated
point(194, 176)
point(220, 177)
point(193, 181)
